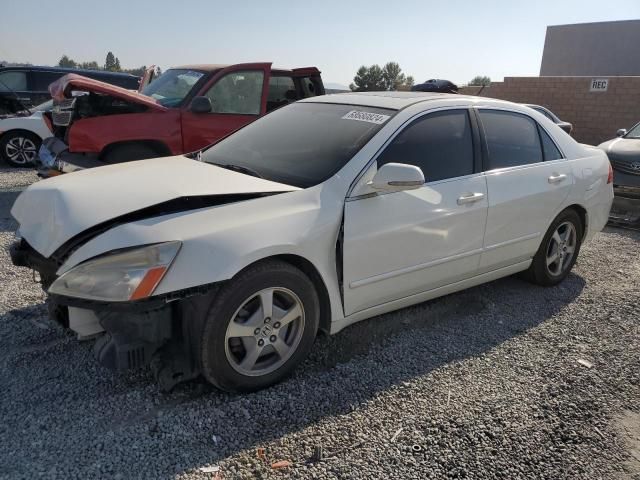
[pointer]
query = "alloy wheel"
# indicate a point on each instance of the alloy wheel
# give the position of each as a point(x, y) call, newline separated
point(20, 150)
point(561, 248)
point(265, 331)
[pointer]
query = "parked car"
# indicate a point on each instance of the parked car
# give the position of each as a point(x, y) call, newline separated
point(23, 87)
point(624, 155)
point(566, 126)
point(312, 218)
point(436, 85)
point(21, 135)
point(183, 110)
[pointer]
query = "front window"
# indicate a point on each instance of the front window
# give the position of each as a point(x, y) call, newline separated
point(634, 132)
point(302, 144)
point(170, 88)
point(237, 92)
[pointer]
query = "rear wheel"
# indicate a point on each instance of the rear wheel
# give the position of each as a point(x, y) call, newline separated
point(260, 326)
point(558, 251)
point(19, 148)
point(129, 153)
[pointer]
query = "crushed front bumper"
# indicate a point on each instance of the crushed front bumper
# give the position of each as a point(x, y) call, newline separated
point(626, 206)
point(54, 158)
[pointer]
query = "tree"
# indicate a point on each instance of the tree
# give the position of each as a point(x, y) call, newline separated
point(409, 82)
point(110, 62)
point(93, 65)
point(116, 67)
point(374, 78)
point(66, 62)
point(480, 80)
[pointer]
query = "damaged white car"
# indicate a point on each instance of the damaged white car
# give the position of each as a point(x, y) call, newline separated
point(323, 213)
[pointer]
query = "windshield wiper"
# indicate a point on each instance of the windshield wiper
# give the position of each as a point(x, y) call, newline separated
point(240, 169)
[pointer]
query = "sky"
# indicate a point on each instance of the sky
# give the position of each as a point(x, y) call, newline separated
point(456, 40)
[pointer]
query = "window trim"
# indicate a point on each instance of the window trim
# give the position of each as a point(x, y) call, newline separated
point(485, 147)
point(476, 148)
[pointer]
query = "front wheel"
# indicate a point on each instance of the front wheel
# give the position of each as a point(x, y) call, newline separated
point(259, 327)
point(558, 251)
point(19, 148)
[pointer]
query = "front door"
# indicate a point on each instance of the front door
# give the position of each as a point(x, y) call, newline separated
point(528, 181)
point(403, 243)
point(238, 97)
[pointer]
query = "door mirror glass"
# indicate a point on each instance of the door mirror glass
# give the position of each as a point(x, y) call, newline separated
point(201, 105)
point(394, 177)
point(622, 132)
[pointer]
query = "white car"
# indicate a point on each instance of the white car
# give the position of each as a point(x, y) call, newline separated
point(21, 135)
point(323, 213)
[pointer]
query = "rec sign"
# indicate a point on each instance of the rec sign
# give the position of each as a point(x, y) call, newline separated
point(599, 84)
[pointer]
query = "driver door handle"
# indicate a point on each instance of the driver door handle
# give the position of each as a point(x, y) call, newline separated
point(556, 178)
point(470, 198)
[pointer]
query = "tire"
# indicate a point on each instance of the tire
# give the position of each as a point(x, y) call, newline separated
point(19, 148)
point(565, 254)
point(129, 153)
point(228, 359)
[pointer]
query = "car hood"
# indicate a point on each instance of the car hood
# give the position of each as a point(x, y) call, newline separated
point(54, 211)
point(62, 88)
point(622, 147)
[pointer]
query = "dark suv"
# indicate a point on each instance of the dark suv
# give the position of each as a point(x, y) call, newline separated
point(25, 87)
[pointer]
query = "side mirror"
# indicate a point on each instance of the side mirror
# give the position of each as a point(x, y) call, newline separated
point(201, 105)
point(394, 177)
point(622, 132)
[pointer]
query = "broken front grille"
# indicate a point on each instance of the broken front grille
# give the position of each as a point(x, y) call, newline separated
point(62, 112)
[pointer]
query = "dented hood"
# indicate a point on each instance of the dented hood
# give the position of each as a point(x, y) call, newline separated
point(62, 88)
point(52, 212)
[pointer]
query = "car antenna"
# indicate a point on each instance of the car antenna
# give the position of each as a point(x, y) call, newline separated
point(17, 97)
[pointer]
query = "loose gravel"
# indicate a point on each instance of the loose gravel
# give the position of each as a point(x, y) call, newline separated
point(503, 381)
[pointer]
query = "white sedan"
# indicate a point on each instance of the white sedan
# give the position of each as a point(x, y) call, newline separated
point(22, 134)
point(323, 213)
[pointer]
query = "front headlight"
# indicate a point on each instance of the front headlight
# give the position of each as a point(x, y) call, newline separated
point(118, 277)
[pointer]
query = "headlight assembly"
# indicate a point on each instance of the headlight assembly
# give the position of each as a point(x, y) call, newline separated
point(119, 277)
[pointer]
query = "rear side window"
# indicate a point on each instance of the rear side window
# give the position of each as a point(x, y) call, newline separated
point(42, 80)
point(282, 90)
point(551, 152)
point(512, 139)
point(439, 143)
point(13, 81)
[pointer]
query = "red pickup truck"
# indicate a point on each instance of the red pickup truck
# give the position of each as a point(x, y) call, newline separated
point(183, 110)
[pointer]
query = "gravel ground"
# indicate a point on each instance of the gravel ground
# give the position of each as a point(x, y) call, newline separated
point(481, 384)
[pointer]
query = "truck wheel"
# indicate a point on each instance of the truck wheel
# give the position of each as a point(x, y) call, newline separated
point(129, 153)
point(19, 148)
point(261, 325)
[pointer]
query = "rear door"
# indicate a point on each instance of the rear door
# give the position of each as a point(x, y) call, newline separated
point(238, 97)
point(528, 181)
point(403, 243)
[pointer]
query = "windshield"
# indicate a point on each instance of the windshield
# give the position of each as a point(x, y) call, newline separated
point(634, 132)
point(43, 107)
point(170, 88)
point(302, 144)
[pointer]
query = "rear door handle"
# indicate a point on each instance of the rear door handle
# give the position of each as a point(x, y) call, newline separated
point(556, 178)
point(470, 198)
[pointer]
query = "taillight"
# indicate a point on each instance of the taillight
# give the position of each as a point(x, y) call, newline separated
point(610, 176)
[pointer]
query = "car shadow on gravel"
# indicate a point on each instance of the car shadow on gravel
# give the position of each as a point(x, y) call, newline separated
point(7, 198)
point(90, 414)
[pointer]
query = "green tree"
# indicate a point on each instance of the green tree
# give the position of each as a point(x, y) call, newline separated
point(116, 66)
point(374, 78)
point(480, 80)
point(66, 62)
point(409, 81)
point(110, 62)
point(93, 65)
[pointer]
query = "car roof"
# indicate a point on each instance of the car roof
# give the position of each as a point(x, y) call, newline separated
point(390, 100)
point(203, 67)
point(79, 71)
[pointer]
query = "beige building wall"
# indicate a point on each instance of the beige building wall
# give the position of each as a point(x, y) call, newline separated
point(595, 115)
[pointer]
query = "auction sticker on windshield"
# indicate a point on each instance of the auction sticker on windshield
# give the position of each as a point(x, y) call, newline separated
point(376, 118)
